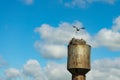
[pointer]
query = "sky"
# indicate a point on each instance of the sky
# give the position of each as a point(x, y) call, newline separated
point(34, 35)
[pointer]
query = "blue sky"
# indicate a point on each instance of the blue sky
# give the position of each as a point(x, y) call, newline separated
point(34, 35)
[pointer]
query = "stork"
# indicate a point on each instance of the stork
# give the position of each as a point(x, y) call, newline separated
point(78, 29)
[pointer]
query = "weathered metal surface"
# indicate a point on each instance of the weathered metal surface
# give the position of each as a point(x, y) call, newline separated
point(78, 56)
point(78, 77)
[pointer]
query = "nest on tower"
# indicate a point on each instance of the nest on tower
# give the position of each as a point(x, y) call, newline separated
point(77, 41)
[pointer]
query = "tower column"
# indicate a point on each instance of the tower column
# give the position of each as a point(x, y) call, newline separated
point(78, 77)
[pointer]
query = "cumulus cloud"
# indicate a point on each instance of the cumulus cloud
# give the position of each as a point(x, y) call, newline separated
point(116, 24)
point(52, 71)
point(32, 69)
point(60, 34)
point(84, 3)
point(54, 39)
point(51, 50)
point(109, 37)
point(12, 73)
point(55, 71)
point(107, 69)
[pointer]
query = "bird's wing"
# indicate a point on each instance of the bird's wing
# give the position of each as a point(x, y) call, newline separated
point(74, 27)
point(82, 28)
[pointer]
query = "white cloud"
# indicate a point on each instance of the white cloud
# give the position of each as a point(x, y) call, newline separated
point(12, 73)
point(84, 3)
point(109, 37)
point(28, 2)
point(30, 71)
point(52, 71)
point(116, 24)
point(104, 1)
point(60, 34)
point(2, 62)
point(54, 39)
point(107, 69)
point(55, 71)
point(51, 50)
point(78, 3)
point(33, 69)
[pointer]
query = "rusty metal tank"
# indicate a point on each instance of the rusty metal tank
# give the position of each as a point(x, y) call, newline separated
point(78, 62)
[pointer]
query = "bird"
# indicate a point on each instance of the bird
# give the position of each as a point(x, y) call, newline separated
point(78, 29)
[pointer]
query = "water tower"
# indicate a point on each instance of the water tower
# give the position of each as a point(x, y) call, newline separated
point(78, 63)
